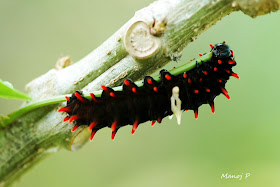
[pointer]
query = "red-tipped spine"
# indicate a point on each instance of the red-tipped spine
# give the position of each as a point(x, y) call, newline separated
point(73, 118)
point(211, 46)
point(168, 77)
point(153, 123)
point(134, 127)
point(112, 94)
point(93, 124)
point(134, 90)
point(93, 97)
point(196, 113)
point(227, 96)
point(225, 92)
point(212, 107)
point(83, 100)
point(64, 109)
point(67, 98)
point(92, 135)
point(159, 119)
point(113, 135)
point(126, 82)
point(155, 89)
point(235, 75)
point(149, 81)
point(104, 87)
point(185, 75)
point(200, 54)
point(114, 126)
point(227, 70)
point(75, 127)
point(66, 118)
point(219, 62)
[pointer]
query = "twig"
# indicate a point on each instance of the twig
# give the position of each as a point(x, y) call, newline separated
point(41, 132)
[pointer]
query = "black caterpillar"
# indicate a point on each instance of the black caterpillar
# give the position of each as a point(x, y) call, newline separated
point(155, 99)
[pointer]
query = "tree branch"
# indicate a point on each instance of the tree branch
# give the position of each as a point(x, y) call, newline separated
point(41, 132)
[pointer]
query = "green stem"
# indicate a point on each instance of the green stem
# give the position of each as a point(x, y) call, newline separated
point(58, 99)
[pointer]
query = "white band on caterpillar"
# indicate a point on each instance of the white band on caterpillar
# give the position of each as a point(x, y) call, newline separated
point(176, 104)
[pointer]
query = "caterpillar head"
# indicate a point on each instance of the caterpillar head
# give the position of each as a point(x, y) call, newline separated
point(221, 50)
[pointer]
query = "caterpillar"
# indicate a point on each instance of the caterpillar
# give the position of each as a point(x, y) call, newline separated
point(156, 99)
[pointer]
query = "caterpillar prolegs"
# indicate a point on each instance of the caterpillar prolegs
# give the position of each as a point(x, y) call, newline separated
point(156, 99)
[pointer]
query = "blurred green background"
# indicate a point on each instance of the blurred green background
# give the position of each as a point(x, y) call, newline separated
point(242, 137)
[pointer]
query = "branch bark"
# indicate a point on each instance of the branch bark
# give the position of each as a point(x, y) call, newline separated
point(41, 132)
